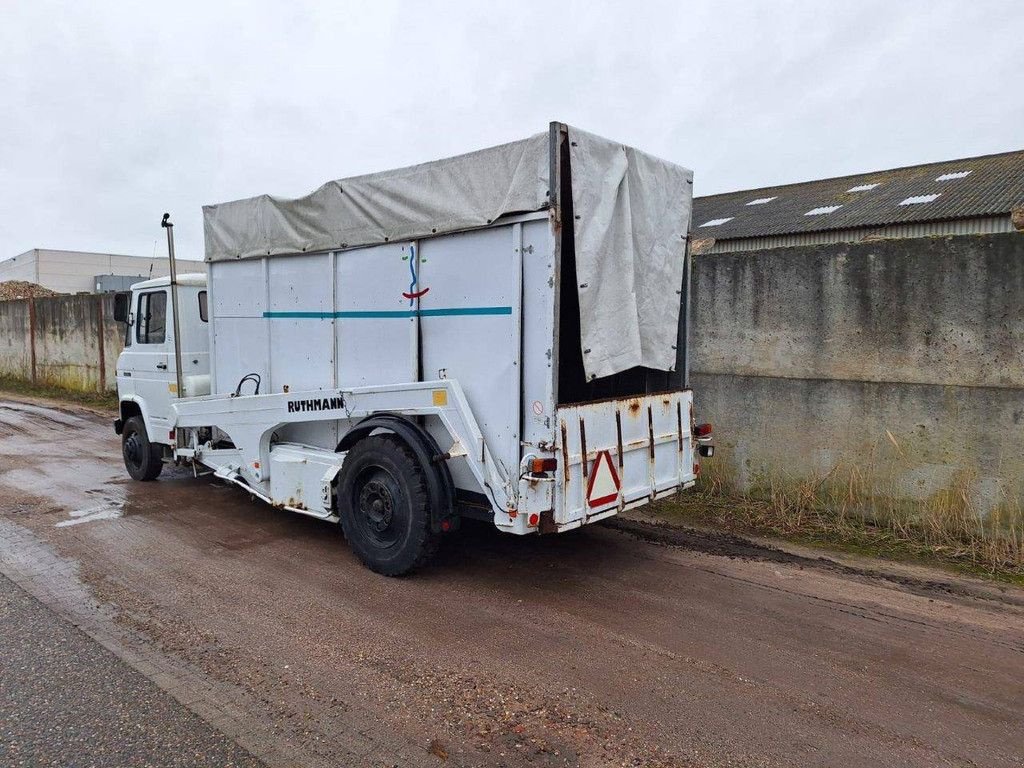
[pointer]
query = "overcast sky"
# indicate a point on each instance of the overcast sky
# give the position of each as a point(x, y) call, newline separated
point(114, 113)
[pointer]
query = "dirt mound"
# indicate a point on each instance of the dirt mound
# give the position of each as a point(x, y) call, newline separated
point(22, 289)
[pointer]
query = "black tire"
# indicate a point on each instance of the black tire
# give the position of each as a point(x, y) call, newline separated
point(384, 506)
point(142, 459)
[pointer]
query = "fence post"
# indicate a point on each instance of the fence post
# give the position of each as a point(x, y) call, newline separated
point(102, 386)
point(32, 336)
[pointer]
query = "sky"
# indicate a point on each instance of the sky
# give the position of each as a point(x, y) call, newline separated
point(116, 112)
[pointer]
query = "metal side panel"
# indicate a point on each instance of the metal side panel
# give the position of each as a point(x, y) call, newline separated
point(300, 309)
point(240, 337)
point(375, 318)
point(469, 304)
point(301, 478)
point(646, 441)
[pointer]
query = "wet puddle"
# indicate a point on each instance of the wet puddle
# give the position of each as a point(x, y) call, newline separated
point(107, 511)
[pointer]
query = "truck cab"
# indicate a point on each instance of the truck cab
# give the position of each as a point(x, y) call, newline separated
point(146, 368)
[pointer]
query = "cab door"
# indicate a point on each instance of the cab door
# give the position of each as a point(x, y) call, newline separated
point(151, 367)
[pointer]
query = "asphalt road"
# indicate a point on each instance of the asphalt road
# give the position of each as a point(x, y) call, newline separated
point(597, 648)
point(67, 701)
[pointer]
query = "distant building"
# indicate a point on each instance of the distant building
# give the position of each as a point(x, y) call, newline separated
point(81, 271)
point(975, 195)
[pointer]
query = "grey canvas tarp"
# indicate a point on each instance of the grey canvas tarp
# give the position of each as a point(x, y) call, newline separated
point(632, 216)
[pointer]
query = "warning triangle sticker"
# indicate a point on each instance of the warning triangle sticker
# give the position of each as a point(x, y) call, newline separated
point(603, 487)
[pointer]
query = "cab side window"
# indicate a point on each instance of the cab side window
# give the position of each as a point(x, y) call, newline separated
point(151, 319)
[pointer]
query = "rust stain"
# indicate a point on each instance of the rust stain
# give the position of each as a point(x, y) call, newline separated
point(583, 448)
point(565, 459)
point(650, 430)
point(618, 434)
point(679, 420)
point(634, 407)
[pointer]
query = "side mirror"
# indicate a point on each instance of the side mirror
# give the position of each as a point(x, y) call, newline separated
point(122, 306)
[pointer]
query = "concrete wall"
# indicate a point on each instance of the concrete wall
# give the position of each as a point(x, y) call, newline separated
point(66, 341)
point(891, 372)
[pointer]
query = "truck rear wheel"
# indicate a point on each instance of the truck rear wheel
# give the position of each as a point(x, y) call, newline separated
point(384, 506)
point(142, 459)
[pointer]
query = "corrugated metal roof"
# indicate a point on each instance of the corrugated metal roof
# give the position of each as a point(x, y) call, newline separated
point(993, 186)
point(983, 225)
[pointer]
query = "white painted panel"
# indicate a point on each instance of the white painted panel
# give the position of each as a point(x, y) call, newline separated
point(468, 326)
point(238, 289)
point(538, 332)
point(241, 345)
point(301, 284)
point(300, 317)
point(323, 434)
point(302, 353)
point(376, 325)
point(625, 428)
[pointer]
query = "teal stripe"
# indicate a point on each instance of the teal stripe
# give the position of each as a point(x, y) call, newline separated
point(373, 313)
point(448, 312)
point(465, 311)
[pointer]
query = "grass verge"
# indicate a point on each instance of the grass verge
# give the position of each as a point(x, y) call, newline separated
point(969, 548)
point(19, 387)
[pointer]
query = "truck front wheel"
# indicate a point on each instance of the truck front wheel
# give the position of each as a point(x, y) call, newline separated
point(384, 506)
point(141, 458)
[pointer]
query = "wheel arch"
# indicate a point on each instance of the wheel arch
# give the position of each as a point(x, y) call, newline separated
point(128, 407)
point(440, 485)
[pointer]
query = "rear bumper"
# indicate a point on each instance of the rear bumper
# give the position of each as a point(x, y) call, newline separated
point(611, 512)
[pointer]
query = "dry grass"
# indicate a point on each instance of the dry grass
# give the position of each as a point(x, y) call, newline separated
point(100, 400)
point(844, 510)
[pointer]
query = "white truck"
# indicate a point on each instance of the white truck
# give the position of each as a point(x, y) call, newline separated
point(499, 335)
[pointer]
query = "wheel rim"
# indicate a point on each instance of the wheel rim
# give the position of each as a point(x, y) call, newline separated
point(379, 507)
point(133, 450)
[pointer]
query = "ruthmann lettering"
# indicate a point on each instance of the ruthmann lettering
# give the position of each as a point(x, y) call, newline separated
point(316, 404)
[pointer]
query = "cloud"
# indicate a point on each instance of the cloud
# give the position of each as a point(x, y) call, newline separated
point(115, 113)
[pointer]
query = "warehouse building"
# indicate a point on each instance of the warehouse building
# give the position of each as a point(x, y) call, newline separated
point(974, 195)
point(84, 272)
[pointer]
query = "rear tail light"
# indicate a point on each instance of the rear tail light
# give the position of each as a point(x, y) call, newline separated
point(543, 465)
point(533, 519)
point(702, 430)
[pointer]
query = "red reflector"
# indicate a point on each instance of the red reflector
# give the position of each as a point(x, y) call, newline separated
point(696, 469)
point(171, 434)
point(543, 465)
point(702, 430)
point(513, 513)
point(446, 525)
point(534, 519)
